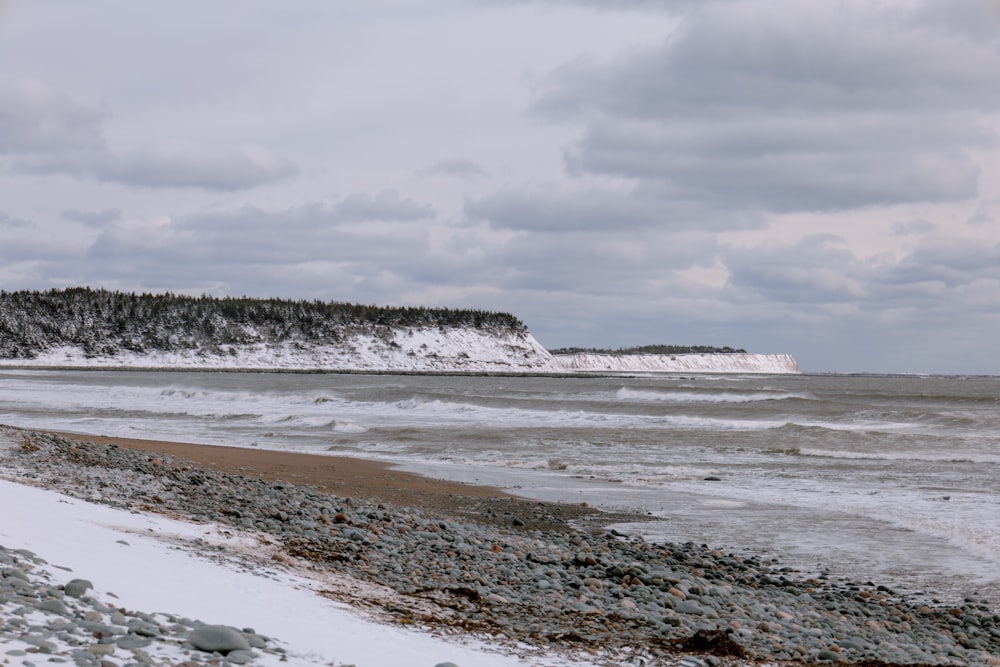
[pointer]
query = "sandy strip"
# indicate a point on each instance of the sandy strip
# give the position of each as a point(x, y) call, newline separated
point(371, 480)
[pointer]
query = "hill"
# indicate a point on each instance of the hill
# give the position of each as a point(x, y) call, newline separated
point(88, 328)
point(101, 328)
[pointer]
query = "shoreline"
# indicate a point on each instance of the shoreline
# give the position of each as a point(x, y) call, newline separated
point(472, 566)
point(563, 375)
point(376, 481)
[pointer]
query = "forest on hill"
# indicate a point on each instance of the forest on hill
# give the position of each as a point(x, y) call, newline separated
point(103, 322)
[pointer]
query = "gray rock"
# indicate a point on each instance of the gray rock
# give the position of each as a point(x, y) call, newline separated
point(240, 657)
point(77, 588)
point(53, 606)
point(221, 638)
point(131, 642)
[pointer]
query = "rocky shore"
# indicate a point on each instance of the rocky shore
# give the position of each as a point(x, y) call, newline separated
point(44, 621)
point(523, 573)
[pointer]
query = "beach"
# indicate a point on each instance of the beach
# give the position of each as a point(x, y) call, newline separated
point(459, 559)
point(374, 481)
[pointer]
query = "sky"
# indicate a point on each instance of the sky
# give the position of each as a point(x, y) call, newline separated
point(818, 178)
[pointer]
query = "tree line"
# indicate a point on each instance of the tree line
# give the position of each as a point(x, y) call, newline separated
point(102, 322)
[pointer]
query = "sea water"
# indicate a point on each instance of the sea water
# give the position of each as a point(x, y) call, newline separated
point(893, 479)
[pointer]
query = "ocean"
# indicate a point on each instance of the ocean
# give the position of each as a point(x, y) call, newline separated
point(888, 479)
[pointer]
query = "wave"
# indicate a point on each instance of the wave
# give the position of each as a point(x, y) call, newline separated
point(925, 457)
point(348, 427)
point(628, 394)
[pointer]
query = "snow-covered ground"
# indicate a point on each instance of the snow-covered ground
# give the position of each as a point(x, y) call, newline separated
point(677, 363)
point(158, 565)
point(416, 349)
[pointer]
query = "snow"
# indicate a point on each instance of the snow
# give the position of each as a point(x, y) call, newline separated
point(416, 349)
point(677, 363)
point(153, 564)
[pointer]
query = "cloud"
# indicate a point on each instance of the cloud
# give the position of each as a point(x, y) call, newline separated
point(46, 132)
point(13, 223)
point(821, 273)
point(185, 164)
point(912, 227)
point(456, 167)
point(547, 209)
point(950, 263)
point(981, 217)
point(36, 118)
point(252, 236)
point(818, 270)
point(386, 206)
point(788, 106)
point(93, 218)
point(574, 210)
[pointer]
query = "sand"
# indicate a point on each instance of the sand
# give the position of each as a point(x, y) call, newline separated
point(373, 480)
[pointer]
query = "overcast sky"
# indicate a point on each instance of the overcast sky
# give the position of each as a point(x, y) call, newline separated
point(820, 178)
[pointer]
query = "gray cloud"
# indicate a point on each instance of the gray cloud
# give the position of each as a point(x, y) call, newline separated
point(352, 231)
point(788, 106)
point(44, 131)
point(820, 273)
point(561, 209)
point(190, 165)
point(387, 206)
point(93, 218)
point(36, 118)
point(455, 167)
point(912, 227)
point(549, 209)
point(817, 270)
point(948, 262)
point(981, 218)
point(13, 223)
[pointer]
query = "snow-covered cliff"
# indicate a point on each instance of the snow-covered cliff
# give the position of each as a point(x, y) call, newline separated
point(84, 328)
point(676, 363)
point(418, 349)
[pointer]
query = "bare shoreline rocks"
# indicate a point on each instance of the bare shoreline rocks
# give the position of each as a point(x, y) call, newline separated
point(575, 590)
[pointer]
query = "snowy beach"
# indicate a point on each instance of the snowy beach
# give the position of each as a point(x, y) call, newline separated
point(148, 563)
point(894, 479)
point(558, 596)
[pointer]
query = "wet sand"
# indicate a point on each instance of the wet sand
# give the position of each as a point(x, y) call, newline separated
point(373, 480)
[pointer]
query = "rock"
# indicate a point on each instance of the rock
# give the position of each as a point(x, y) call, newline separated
point(690, 607)
point(101, 649)
point(53, 606)
point(77, 588)
point(221, 638)
point(240, 657)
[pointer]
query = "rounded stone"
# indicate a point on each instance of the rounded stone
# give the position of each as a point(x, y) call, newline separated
point(77, 588)
point(221, 638)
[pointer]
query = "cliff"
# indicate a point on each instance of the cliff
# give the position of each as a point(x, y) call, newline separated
point(677, 363)
point(84, 328)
